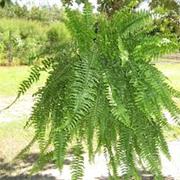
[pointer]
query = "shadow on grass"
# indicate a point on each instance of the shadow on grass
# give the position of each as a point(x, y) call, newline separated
point(20, 170)
point(142, 178)
point(143, 175)
point(25, 177)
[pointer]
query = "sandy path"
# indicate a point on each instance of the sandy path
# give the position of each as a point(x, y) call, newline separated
point(19, 110)
point(172, 167)
point(98, 170)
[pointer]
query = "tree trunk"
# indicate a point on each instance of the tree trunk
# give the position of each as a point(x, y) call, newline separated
point(10, 49)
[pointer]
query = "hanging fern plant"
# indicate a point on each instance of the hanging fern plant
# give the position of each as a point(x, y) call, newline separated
point(104, 94)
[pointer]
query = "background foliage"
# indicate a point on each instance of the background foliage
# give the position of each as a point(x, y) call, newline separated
point(44, 14)
point(166, 12)
point(19, 45)
point(25, 34)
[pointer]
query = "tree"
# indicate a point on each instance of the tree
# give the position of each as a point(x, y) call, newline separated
point(166, 11)
point(103, 94)
point(111, 6)
point(108, 6)
point(24, 30)
point(9, 49)
point(168, 15)
point(42, 14)
point(57, 37)
point(3, 3)
point(168, 5)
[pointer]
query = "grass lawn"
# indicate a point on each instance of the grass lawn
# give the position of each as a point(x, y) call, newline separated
point(172, 71)
point(13, 137)
point(11, 77)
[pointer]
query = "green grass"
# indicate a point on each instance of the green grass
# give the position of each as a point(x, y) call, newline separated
point(172, 71)
point(11, 77)
point(172, 133)
point(13, 137)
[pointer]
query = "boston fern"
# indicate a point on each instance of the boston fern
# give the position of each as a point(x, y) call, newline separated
point(104, 94)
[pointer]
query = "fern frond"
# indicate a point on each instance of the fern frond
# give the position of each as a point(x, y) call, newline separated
point(131, 24)
point(34, 75)
point(60, 144)
point(78, 162)
point(105, 93)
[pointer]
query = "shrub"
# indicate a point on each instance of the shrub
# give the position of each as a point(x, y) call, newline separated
point(24, 37)
point(30, 40)
point(57, 37)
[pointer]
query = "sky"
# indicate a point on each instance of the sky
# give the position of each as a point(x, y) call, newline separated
point(31, 3)
point(44, 2)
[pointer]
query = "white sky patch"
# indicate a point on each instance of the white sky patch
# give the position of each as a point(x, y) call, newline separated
point(94, 3)
point(144, 6)
point(30, 3)
point(80, 6)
